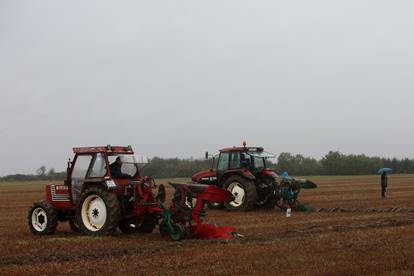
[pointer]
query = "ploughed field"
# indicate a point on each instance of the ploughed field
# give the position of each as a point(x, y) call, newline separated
point(315, 243)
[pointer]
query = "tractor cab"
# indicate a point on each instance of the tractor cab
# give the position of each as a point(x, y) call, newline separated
point(114, 166)
point(251, 162)
point(252, 159)
point(103, 162)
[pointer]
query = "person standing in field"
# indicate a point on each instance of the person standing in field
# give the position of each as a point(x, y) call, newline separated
point(384, 183)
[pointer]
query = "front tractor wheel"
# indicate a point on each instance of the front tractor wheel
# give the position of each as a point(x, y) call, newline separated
point(244, 192)
point(98, 212)
point(42, 218)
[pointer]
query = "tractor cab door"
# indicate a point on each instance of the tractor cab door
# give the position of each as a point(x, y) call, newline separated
point(227, 161)
point(222, 166)
point(86, 167)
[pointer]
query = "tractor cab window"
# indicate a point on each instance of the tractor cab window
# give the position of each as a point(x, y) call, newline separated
point(128, 165)
point(234, 160)
point(245, 160)
point(223, 162)
point(99, 166)
point(258, 162)
point(81, 166)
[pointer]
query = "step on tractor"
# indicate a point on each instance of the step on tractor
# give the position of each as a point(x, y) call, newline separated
point(105, 191)
point(244, 172)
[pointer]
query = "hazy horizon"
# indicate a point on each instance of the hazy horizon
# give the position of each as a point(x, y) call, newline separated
point(178, 78)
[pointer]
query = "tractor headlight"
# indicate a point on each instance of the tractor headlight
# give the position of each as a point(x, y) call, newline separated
point(110, 184)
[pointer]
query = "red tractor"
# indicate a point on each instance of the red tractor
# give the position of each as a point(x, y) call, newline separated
point(243, 172)
point(104, 191)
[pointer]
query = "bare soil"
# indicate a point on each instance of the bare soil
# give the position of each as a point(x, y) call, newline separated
point(315, 243)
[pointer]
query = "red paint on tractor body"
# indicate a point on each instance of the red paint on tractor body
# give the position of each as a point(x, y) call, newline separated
point(204, 175)
point(59, 196)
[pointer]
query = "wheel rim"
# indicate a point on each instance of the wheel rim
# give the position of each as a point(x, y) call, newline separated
point(238, 192)
point(39, 219)
point(94, 213)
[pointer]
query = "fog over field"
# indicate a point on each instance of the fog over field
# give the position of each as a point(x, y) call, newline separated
point(177, 78)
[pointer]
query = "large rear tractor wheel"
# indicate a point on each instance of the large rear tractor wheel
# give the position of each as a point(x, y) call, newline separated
point(244, 192)
point(42, 218)
point(98, 212)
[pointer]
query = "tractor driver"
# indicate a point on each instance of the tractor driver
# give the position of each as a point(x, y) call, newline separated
point(245, 161)
point(115, 169)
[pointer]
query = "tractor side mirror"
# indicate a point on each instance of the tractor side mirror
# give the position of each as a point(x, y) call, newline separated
point(66, 182)
point(213, 164)
point(206, 155)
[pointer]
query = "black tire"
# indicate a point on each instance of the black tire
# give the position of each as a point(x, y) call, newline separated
point(215, 205)
point(42, 218)
point(270, 203)
point(127, 226)
point(109, 203)
point(74, 226)
point(137, 226)
point(246, 202)
point(269, 195)
point(147, 226)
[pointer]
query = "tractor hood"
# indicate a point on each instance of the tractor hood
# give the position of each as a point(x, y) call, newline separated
point(204, 176)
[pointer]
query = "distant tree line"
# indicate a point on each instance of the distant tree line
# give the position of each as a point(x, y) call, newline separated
point(336, 163)
point(333, 163)
point(41, 174)
point(169, 168)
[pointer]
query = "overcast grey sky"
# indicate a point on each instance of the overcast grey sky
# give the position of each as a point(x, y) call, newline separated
point(177, 78)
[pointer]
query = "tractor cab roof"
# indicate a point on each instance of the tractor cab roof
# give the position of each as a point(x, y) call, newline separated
point(243, 149)
point(104, 149)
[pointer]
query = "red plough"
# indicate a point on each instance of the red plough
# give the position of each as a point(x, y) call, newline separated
point(187, 210)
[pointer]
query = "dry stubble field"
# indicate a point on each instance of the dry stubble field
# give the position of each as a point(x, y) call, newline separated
point(317, 243)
